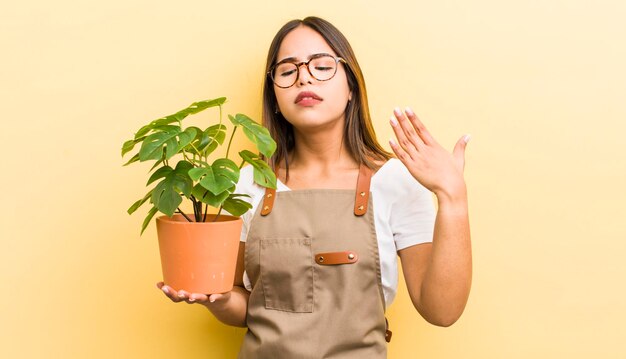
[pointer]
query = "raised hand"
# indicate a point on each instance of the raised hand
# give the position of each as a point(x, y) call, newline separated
point(433, 166)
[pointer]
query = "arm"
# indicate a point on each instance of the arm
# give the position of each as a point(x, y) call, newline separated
point(229, 308)
point(438, 275)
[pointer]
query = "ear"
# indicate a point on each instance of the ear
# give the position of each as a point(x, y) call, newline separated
point(350, 96)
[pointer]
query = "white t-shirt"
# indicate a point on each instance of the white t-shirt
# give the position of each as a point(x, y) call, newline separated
point(404, 215)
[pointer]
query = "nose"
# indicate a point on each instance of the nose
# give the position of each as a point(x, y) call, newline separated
point(304, 76)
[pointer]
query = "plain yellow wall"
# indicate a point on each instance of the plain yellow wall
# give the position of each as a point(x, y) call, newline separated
point(541, 86)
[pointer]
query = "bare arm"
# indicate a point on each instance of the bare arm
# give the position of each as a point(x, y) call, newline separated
point(439, 275)
point(229, 308)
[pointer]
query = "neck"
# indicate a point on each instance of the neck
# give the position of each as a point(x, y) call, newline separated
point(321, 151)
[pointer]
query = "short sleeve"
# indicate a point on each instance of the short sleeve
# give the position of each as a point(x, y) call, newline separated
point(412, 217)
point(246, 186)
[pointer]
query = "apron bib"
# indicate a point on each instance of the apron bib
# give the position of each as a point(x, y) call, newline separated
point(312, 258)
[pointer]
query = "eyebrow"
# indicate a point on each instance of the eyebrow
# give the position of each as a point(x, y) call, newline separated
point(295, 59)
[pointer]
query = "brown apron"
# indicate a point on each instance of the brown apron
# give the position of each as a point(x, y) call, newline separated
point(312, 259)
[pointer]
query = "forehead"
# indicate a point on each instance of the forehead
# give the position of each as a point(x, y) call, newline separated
point(301, 43)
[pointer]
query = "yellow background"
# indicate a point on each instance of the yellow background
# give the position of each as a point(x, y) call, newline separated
point(541, 86)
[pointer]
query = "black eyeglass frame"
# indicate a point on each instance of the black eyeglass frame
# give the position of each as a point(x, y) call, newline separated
point(298, 64)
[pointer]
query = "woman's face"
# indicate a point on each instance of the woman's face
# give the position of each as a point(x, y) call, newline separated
point(311, 104)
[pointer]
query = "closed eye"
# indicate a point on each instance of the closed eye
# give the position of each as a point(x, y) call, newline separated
point(287, 73)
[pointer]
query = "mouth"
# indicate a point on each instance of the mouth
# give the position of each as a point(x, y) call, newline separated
point(307, 96)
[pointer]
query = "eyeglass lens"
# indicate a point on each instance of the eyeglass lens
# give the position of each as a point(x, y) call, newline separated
point(322, 68)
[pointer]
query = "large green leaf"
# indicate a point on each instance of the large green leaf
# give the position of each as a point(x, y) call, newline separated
point(208, 140)
point(258, 134)
point(185, 138)
point(180, 115)
point(218, 177)
point(155, 126)
point(236, 206)
point(160, 173)
point(216, 135)
point(205, 196)
point(203, 105)
point(263, 174)
point(152, 147)
point(130, 144)
point(166, 195)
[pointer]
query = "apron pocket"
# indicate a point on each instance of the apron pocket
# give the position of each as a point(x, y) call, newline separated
point(287, 274)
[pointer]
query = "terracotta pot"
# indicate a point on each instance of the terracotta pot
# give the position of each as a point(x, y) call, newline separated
point(199, 257)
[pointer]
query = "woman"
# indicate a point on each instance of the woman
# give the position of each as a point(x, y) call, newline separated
point(321, 250)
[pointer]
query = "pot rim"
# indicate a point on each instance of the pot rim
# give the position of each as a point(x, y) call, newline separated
point(228, 220)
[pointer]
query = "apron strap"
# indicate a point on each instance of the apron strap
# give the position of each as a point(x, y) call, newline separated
point(268, 201)
point(362, 190)
point(387, 331)
point(360, 202)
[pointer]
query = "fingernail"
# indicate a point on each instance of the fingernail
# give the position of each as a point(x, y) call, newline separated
point(393, 121)
point(467, 137)
point(192, 300)
point(164, 289)
point(211, 300)
point(409, 111)
point(392, 142)
point(181, 295)
point(397, 111)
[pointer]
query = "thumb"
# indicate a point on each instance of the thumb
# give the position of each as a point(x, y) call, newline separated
point(459, 151)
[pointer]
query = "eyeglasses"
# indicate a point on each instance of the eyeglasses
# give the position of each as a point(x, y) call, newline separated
point(322, 67)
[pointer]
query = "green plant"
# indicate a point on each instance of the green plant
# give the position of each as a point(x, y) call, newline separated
point(181, 157)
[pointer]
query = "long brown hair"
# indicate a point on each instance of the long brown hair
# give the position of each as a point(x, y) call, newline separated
point(358, 132)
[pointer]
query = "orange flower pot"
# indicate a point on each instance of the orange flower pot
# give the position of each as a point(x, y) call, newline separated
point(199, 257)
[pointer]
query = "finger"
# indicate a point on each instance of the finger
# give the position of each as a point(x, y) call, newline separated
point(404, 144)
point(197, 297)
point(459, 151)
point(408, 129)
point(401, 154)
point(170, 293)
point(421, 130)
point(216, 297)
point(183, 295)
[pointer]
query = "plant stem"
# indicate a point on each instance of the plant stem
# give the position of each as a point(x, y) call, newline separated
point(206, 209)
point(184, 215)
point(231, 140)
point(197, 210)
point(218, 213)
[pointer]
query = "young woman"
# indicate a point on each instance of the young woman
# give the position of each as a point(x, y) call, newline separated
point(317, 263)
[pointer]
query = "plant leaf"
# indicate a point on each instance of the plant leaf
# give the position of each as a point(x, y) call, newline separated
point(203, 105)
point(180, 115)
point(216, 135)
point(262, 172)
point(166, 195)
point(205, 196)
point(139, 203)
point(130, 144)
point(258, 134)
point(185, 138)
point(236, 206)
point(135, 158)
point(160, 173)
point(152, 146)
point(146, 221)
point(218, 177)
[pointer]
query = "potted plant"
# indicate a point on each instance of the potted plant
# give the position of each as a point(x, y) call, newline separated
point(198, 251)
